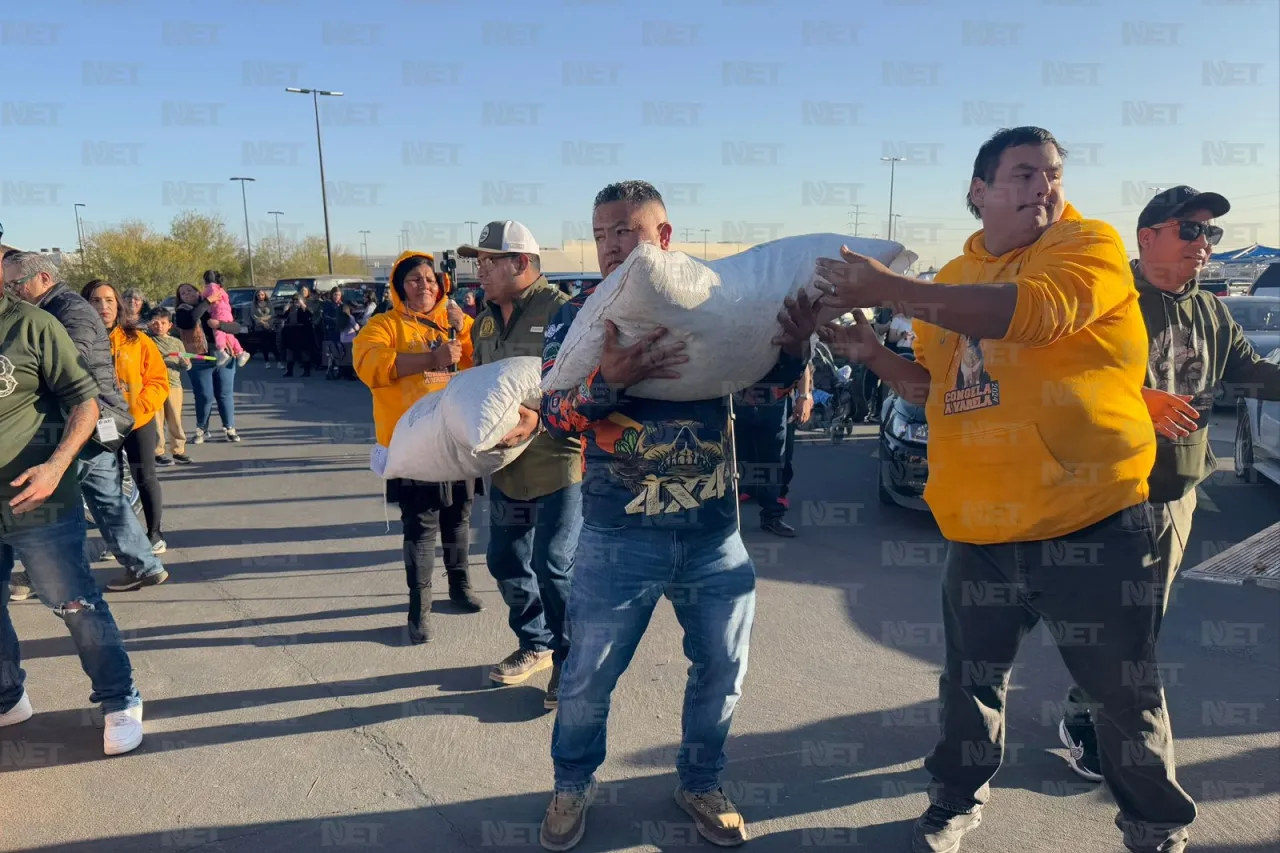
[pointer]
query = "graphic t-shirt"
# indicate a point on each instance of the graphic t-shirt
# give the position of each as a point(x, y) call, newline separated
point(653, 463)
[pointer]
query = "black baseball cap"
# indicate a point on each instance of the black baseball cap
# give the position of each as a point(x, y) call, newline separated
point(1172, 203)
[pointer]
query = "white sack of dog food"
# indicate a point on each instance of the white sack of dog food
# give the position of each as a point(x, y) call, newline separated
point(451, 434)
point(725, 311)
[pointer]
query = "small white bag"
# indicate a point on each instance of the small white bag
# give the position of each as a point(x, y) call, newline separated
point(725, 311)
point(450, 435)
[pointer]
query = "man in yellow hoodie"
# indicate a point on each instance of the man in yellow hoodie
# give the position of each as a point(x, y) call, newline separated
point(1029, 359)
point(403, 355)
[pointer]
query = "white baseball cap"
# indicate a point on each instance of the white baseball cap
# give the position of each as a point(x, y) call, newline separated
point(502, 238)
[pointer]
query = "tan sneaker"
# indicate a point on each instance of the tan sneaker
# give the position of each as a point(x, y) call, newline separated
point(566, 819)
point(715, 815)
point(516, 667)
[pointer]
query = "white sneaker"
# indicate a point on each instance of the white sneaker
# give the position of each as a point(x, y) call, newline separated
point(19, 713)
point(282, 366)
point(198, 438)
point(123, 732)
point(269, 364)
point(242, 359)
point(223, 358)
point(231, 435)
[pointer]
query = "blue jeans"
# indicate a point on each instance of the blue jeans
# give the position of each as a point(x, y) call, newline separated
point(210, 383)
point(530, 555)
point(53, 555)
point(99, 474)
point(619, 575)
point(100, 480)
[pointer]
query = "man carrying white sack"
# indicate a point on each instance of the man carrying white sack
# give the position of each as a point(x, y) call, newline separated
point(535, 503)
point(659, 518)
point(1031, 353)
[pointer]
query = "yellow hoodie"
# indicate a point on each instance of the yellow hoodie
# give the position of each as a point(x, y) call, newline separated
point(141, 373)
point(1044, 432)
point(401, 330)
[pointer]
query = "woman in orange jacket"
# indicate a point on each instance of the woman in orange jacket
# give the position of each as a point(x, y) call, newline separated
point(403, 355)
point(144, 381)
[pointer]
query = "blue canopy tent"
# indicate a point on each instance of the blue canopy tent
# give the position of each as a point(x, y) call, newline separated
point(1253, 254)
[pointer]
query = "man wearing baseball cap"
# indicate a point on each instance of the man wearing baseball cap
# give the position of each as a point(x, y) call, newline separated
point(535, 503)
point(1194, 344)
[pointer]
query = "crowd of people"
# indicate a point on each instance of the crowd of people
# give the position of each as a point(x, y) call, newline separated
point(1064, 389)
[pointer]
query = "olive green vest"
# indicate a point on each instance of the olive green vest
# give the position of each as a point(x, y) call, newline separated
point(549, 464)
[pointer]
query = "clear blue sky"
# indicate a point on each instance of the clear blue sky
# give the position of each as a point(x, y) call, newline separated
point(139, 109)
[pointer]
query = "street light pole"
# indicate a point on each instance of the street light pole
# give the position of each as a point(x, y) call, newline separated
point(248, 242)
point(279, 243)
point(79, 228)
point(705, 232)
point(324, 192)
point(471, 229)
point(893, 162)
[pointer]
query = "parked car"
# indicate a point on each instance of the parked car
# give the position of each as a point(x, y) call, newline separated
point(1257, 445)
point(1267, 284)
point(285, 288)
point(1216, 286)
point(904, 453)
point(1259, 317)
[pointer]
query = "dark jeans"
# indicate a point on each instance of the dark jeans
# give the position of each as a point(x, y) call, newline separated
point(99, 474)
point(761, 434)
point(209, 383)
point(1095, 591)
point(530, 555)
point(265, 343)
point(788, 454)
point(53, 555)
point(140, 446)
point(423, 518)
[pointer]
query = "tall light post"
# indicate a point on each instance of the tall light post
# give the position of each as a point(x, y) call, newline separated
point(324, 192)
point(79, 228)
point(471, 229)
point(893, 163)
point(893, 224)
point(248, 242)
point(705, 232)
point(279, 243)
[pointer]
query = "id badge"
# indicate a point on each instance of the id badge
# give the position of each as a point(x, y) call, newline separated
point(107, 431)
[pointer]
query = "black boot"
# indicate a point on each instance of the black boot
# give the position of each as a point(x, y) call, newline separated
point(460, 592)
point(288, 369)
point(419, 622)
point(306, 369)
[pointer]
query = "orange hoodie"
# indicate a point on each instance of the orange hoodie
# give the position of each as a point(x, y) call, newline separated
point(1044, 432)
point(401, 330)
point(141, 373)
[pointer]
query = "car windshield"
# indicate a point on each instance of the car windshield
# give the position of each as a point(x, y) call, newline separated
point(1255, 314)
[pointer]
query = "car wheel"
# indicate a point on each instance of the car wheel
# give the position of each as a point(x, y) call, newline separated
point(1243, 451)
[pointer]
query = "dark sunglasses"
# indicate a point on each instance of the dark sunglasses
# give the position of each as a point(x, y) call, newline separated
point(1190, 230)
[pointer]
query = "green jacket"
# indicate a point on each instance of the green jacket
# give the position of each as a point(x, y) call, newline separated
point(549, 464)
point(41, 377)
point(1193, 345)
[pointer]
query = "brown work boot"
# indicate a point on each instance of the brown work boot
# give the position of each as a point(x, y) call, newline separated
point(715, 815)
point(566, 819)
point(516, 667)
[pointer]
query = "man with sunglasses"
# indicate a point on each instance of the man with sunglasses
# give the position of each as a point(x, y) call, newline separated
point(1193, 345)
